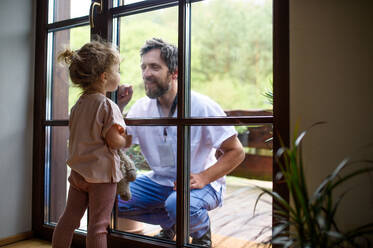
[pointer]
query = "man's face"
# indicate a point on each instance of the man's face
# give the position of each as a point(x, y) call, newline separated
point(155, 73)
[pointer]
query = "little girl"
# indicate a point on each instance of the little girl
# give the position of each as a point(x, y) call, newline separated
point(97, 130)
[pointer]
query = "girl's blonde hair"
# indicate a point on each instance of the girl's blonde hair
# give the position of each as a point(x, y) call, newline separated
point(89, 62)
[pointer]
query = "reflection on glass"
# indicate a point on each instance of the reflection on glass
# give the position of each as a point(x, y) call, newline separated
point(61, 95)
point(57, 173)
point(231, 52)
point(60, 10)
point(153, 202)
point(134, 31)
point(233, 222)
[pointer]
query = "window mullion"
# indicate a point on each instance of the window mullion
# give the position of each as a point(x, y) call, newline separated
point(183, 132)
point(103, 21)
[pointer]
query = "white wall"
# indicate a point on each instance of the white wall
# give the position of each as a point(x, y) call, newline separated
point(16, 111)
point(331, 79)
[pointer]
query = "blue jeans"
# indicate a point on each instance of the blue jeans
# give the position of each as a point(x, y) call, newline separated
point(155, 204)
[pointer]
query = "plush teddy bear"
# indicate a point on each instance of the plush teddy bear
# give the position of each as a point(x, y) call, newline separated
point(128, 169)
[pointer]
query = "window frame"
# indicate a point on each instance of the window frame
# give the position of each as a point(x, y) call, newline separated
point(103, 27)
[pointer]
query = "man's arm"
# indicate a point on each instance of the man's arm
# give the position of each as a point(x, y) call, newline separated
point(232, 155)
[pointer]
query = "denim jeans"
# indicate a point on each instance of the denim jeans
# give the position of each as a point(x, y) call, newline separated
point(155, 204)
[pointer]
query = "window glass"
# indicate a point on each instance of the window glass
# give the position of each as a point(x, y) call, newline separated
point(231, 52)
point(57, 173)
point(60, 10)
point(61, 94)
point(134, 31)
point(151, 151)
point(230, 201)
point(126, 2)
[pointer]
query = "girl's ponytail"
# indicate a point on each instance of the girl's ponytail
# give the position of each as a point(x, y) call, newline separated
point(67, 56)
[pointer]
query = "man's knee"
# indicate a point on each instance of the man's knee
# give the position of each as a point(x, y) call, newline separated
point(170, 205)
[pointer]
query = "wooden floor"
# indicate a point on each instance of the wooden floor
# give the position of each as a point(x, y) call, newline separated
point(232, 226)
point(31, 243)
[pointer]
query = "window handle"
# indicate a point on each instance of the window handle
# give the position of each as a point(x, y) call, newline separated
point(91, 9)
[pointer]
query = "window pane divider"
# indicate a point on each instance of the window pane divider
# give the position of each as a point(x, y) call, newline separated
point(212, 121)
point(67, 24)
point(141, 7)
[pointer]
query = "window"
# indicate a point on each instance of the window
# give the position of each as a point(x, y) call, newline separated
point(231, 51)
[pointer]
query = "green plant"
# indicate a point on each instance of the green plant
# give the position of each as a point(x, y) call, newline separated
point(268, 94)
point(309, 220)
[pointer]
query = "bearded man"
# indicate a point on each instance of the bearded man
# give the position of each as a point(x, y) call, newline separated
point(153, 194)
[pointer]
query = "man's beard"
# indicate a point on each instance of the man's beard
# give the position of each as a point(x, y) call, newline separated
point(160, 89)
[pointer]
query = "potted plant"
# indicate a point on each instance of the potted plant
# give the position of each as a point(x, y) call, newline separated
point(309, 220)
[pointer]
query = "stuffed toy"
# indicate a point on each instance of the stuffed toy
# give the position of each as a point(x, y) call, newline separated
point(128, 169)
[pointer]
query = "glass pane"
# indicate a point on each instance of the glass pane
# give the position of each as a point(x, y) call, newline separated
point(162, 24)
point(60, 10)
point(126, 2)
point(231, 53)
point(57, 173)
point(155, 159)
point(61, 95)
point(232, 224)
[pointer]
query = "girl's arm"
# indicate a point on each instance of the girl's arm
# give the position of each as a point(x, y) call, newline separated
point(116, 137)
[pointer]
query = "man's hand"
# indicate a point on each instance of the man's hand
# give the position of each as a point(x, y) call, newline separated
point(124, 95)
point(197, 181)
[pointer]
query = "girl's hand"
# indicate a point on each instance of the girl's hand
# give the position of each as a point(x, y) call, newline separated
point(128, 139)
point(124, 95)
point(116, 137)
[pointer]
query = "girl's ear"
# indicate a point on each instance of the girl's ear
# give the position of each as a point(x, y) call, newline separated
point(103, 76)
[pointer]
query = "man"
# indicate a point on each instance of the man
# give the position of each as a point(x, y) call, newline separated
point(153, 195)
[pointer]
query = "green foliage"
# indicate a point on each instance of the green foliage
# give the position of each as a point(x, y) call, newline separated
point(134, 152)
point(268, 94)
point(231, 49)
point(310, 220)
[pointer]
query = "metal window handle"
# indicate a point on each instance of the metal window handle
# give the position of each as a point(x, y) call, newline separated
point(91, 9)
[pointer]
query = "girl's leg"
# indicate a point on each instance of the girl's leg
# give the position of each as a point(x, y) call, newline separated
point(70, 220)
point(101, 201)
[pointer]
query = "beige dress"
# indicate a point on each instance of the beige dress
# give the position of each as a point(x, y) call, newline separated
point(90, 119)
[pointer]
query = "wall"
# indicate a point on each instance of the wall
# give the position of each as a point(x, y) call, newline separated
point(16, 111)
point(331, 54)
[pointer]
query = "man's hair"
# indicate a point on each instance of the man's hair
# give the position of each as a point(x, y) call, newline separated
point(168, 52)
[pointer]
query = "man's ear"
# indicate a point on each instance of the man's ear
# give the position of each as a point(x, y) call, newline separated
point(174, 75)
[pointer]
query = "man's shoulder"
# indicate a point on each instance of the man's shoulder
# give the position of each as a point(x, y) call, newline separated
point(203, 105)
point(199, 97)
point(142, 102)
point(141, 106)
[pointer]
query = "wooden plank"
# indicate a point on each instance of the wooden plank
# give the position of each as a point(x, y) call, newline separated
point(15, 238)
point(254, 167)
point(238, 112)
